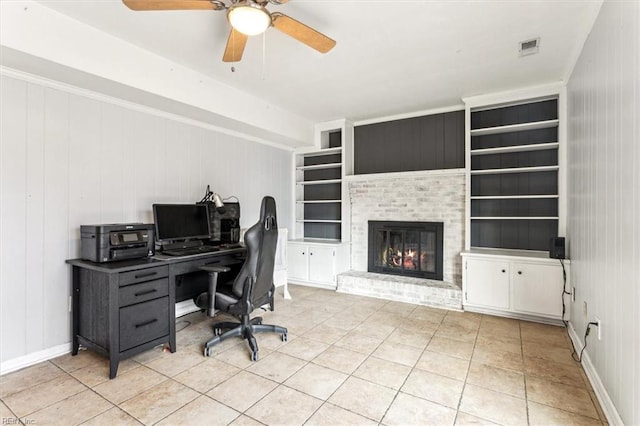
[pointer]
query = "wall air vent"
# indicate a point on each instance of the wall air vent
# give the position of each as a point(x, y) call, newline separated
point(529, 47)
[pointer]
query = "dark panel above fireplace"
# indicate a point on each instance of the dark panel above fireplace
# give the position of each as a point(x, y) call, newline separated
point(430, 142)
point(406, 248)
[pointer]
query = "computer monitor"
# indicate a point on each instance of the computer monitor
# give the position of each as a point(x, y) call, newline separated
point(181, 222)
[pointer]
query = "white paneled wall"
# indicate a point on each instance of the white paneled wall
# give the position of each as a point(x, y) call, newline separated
point(68, 159)
point(604, 202)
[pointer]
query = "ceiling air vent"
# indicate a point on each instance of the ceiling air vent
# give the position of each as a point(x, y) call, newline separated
point(529, 47)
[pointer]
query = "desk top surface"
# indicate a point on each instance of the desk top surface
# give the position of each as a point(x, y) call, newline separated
point(149, 262)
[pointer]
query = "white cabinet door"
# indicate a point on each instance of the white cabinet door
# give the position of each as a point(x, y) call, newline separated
point(487, 283)
point(537, 289)
point(297, 265)
point(321, 264)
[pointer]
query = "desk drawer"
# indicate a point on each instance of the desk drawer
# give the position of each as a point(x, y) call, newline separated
point(144, 291)
point(142, 275)
point(143, 323)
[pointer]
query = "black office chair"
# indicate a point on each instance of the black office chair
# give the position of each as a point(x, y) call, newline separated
point(252, 288)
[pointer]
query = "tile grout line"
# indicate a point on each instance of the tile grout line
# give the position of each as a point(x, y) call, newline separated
point(464, 383)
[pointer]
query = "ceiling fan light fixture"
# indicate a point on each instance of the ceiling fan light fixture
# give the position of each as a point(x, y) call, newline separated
point(249, 18)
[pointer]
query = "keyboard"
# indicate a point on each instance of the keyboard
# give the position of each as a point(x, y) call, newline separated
point(231, 245)
point(189, 251)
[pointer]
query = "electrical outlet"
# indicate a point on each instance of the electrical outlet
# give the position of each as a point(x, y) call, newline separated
point(599, 328)
point(573, 295)
point(584, 311)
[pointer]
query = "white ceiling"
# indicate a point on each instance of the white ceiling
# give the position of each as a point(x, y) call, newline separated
point(392, 57)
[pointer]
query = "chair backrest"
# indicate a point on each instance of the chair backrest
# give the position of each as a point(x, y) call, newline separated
point(261, 240)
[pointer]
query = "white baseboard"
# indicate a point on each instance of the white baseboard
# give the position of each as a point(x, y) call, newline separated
point(34, 358)
point(608, 408)
point(186, 307)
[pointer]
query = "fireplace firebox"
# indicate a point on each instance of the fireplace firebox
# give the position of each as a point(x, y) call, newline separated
point(406, 248)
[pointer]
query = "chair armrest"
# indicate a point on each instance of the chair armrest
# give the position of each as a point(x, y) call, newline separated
point(210, 297)
point(215, 268)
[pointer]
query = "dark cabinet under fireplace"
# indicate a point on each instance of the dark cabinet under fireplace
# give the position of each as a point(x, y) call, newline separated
point(406, 248)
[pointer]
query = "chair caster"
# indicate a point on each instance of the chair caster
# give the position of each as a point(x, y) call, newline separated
point(284, 337)
point(217, 331)
point(207, 352)
point(254, 356)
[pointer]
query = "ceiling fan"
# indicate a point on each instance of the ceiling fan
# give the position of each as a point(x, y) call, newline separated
point(247, 18)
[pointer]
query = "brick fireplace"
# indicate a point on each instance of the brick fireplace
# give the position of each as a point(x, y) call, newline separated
point(427, 196)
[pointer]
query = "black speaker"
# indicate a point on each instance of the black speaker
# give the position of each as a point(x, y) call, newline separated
point(556, 248)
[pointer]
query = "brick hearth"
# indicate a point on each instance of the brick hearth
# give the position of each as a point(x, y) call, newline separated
point(419, 291)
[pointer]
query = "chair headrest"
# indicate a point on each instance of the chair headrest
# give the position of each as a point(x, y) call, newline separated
point(268, 213)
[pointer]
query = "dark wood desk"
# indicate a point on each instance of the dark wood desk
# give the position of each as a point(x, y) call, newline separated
point(123, 308)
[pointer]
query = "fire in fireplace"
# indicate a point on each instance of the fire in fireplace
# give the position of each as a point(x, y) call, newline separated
point(406, 248)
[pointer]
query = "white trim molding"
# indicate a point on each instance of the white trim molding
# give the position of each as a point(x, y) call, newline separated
point(609, 410)
point(89, 94)
point(414, 114)
point(34, 358)
point(412, 174)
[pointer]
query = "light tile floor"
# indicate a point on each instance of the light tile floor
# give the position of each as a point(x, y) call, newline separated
point(348, 360)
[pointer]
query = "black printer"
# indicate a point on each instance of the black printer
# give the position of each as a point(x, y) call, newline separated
point(116, 241)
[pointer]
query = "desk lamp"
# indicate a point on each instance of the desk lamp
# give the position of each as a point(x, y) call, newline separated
point(214, 198)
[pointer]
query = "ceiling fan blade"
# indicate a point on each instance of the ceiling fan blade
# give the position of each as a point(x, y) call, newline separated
point(302, 33)
point(235, 46)
point(141, 5)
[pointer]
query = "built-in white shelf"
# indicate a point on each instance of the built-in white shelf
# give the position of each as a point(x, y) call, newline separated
point(511, 197)
point(325, 151)
point(320, 166)
point(515, 148)
point(515, 127)
point(515, 170)
point(318, 221)
point(514, 217)
point(318, 201)
point(319, 182)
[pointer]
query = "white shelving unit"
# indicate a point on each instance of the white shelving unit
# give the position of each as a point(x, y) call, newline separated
point(515, 203)
point(319, 248)
point(510, 147)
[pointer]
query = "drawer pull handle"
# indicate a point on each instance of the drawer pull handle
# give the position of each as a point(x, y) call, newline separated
point(142, 293)
point(146, 323)
point(148, 274)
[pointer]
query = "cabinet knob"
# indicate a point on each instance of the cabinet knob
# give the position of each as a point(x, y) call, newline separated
point(302, 252)
point(504, 270)
point(310, 254)
point(519, 272)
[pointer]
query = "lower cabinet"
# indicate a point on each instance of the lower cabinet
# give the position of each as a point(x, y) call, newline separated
point(316, 263)
point(487, 283)
point(529, 287)
point(121, 314)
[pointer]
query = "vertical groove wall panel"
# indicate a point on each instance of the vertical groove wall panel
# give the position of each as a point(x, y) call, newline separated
point(112, 175)
point(84, 149)
point(34, 320)
point(67, 159)
point(604, 200)
point(13, 186)
point(57, 156)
